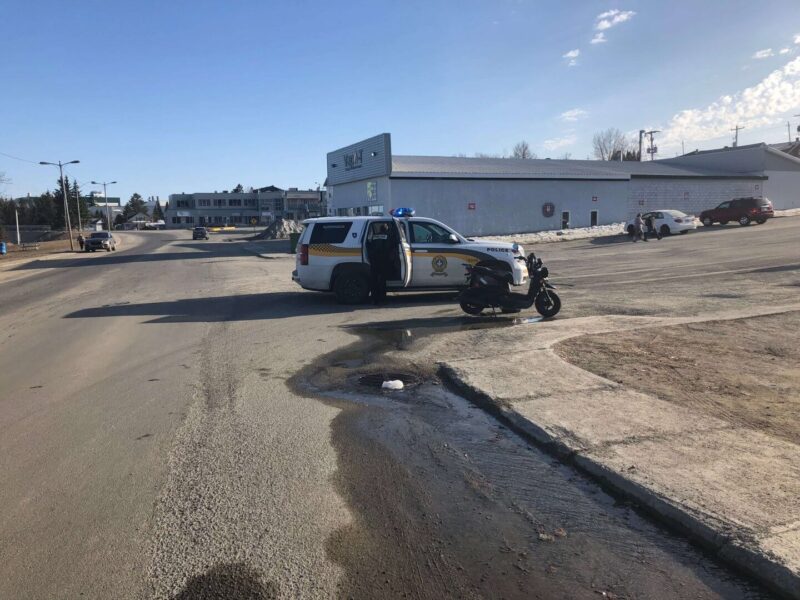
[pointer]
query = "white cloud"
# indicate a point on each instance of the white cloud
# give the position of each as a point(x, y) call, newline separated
point(599, 38)
point(797, 38)
point(610, 18)
point(573, 114)
point(556, 143)
point(572, 56)
point(784, 51)
point(764, 53)
point(766, 103)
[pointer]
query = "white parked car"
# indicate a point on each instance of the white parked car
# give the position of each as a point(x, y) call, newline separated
point(667, 222)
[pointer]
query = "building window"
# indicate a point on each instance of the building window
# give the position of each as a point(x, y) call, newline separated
point(176, 220)
point(279, 204)
point(219, 202)
point(205, 202)
point(376, 210)
point(190, 219)
point(372, 191)
point(182, 204)
point(249, 202)
point(217, 219)
point(235, 202)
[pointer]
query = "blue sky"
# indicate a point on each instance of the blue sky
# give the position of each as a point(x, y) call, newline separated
point(183, 96)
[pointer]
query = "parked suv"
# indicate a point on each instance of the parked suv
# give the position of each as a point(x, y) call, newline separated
point(332, 256)
point(742, 210)
point(200, 233)
point(100, 240)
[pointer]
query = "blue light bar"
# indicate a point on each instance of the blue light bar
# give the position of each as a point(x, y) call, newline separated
point(403, 212)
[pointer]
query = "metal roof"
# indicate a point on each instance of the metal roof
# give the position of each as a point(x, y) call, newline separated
point(446, 167)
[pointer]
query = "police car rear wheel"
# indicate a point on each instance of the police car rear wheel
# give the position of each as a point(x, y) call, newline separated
point(351, 288)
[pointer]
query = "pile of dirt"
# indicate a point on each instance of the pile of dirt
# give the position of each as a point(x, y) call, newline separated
point(279, 230)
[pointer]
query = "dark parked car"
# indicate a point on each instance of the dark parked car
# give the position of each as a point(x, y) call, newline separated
point(200, 233)
point(100, 240)
point(742, 210)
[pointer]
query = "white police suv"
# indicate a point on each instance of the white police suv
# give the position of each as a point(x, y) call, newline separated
point(332, 255)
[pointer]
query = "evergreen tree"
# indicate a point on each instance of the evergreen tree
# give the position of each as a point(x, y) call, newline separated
point(158, 214)
point(134, 206)
point(238, 189)
point(119, 220)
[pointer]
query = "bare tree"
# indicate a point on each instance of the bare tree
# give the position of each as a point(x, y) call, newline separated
point(486, 155)
point(609, 143)
point(522, 150)
point(566, 156)
point(3, 178)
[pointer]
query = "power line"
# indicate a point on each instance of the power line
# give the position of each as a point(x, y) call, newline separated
point(33, 162)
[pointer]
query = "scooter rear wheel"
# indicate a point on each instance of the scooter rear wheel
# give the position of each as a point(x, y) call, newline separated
point(471, 309)
point(548, 307)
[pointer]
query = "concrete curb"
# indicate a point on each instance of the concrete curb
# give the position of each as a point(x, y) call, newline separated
point(714, 535)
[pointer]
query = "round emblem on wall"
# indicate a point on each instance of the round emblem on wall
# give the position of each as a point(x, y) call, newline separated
point(439, 263)
point(548, 209)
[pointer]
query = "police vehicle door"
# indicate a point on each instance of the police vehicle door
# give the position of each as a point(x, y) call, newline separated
point(437, 260)
point(404, 249)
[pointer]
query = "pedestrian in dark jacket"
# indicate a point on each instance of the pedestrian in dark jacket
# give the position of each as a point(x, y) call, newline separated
point(81, 240)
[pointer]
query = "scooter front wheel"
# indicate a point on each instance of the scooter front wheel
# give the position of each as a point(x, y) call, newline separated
point(471, 309)
point(548, 304)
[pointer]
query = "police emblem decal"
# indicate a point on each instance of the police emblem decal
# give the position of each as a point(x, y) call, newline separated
point(439, 264)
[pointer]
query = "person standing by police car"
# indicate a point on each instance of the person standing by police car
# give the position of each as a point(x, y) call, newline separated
point(379, 254)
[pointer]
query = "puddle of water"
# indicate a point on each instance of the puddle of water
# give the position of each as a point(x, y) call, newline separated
point(443, 491)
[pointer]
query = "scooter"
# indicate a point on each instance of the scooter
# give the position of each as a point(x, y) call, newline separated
point(490, 287)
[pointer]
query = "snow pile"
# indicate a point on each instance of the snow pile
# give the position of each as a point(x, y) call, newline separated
point(279, 230)
point(789, 212)
point(558, 235)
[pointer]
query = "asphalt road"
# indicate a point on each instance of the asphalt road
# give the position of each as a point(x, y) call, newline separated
point(152, 445)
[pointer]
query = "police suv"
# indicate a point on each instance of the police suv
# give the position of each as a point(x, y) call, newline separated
point(332, 255)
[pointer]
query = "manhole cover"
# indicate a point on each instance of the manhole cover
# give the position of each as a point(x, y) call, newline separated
point(376, 380)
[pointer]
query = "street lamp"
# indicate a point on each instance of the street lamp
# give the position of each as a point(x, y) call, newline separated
point(105, 195)
point(67, 224)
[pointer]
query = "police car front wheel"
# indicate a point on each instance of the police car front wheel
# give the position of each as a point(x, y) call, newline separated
point(351, 288)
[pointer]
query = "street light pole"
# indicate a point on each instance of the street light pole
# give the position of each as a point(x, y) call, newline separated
point(105, 195)
point(67, 224)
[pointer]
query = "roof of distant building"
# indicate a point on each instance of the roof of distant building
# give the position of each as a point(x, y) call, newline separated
point(444, 167)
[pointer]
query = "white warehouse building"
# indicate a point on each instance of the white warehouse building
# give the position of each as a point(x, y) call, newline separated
point(492, 196)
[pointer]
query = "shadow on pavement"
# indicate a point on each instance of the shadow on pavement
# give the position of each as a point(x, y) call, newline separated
point(251, 307)
point(82, 259)
point(235, 581)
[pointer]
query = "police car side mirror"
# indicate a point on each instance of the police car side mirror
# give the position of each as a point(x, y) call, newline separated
point(453, 239)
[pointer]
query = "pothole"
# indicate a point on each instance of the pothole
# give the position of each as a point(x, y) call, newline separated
point(375, 380)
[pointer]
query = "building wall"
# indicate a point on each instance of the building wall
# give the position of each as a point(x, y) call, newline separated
point(511, 206)
point(783, 189)
point(365, 159)
point(189, 210)
point(688, 195)
point(372, 194)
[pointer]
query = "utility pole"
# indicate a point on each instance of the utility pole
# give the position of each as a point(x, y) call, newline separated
point(653, 149)
point(16, 218)
point(789, 130)
point(683, 148)
point(64, 196)
point(736, 129)
point(78, 203)
point(641, 135)
point(797, 139)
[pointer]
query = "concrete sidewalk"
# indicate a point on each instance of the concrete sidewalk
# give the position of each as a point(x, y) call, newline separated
point(734, 489)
